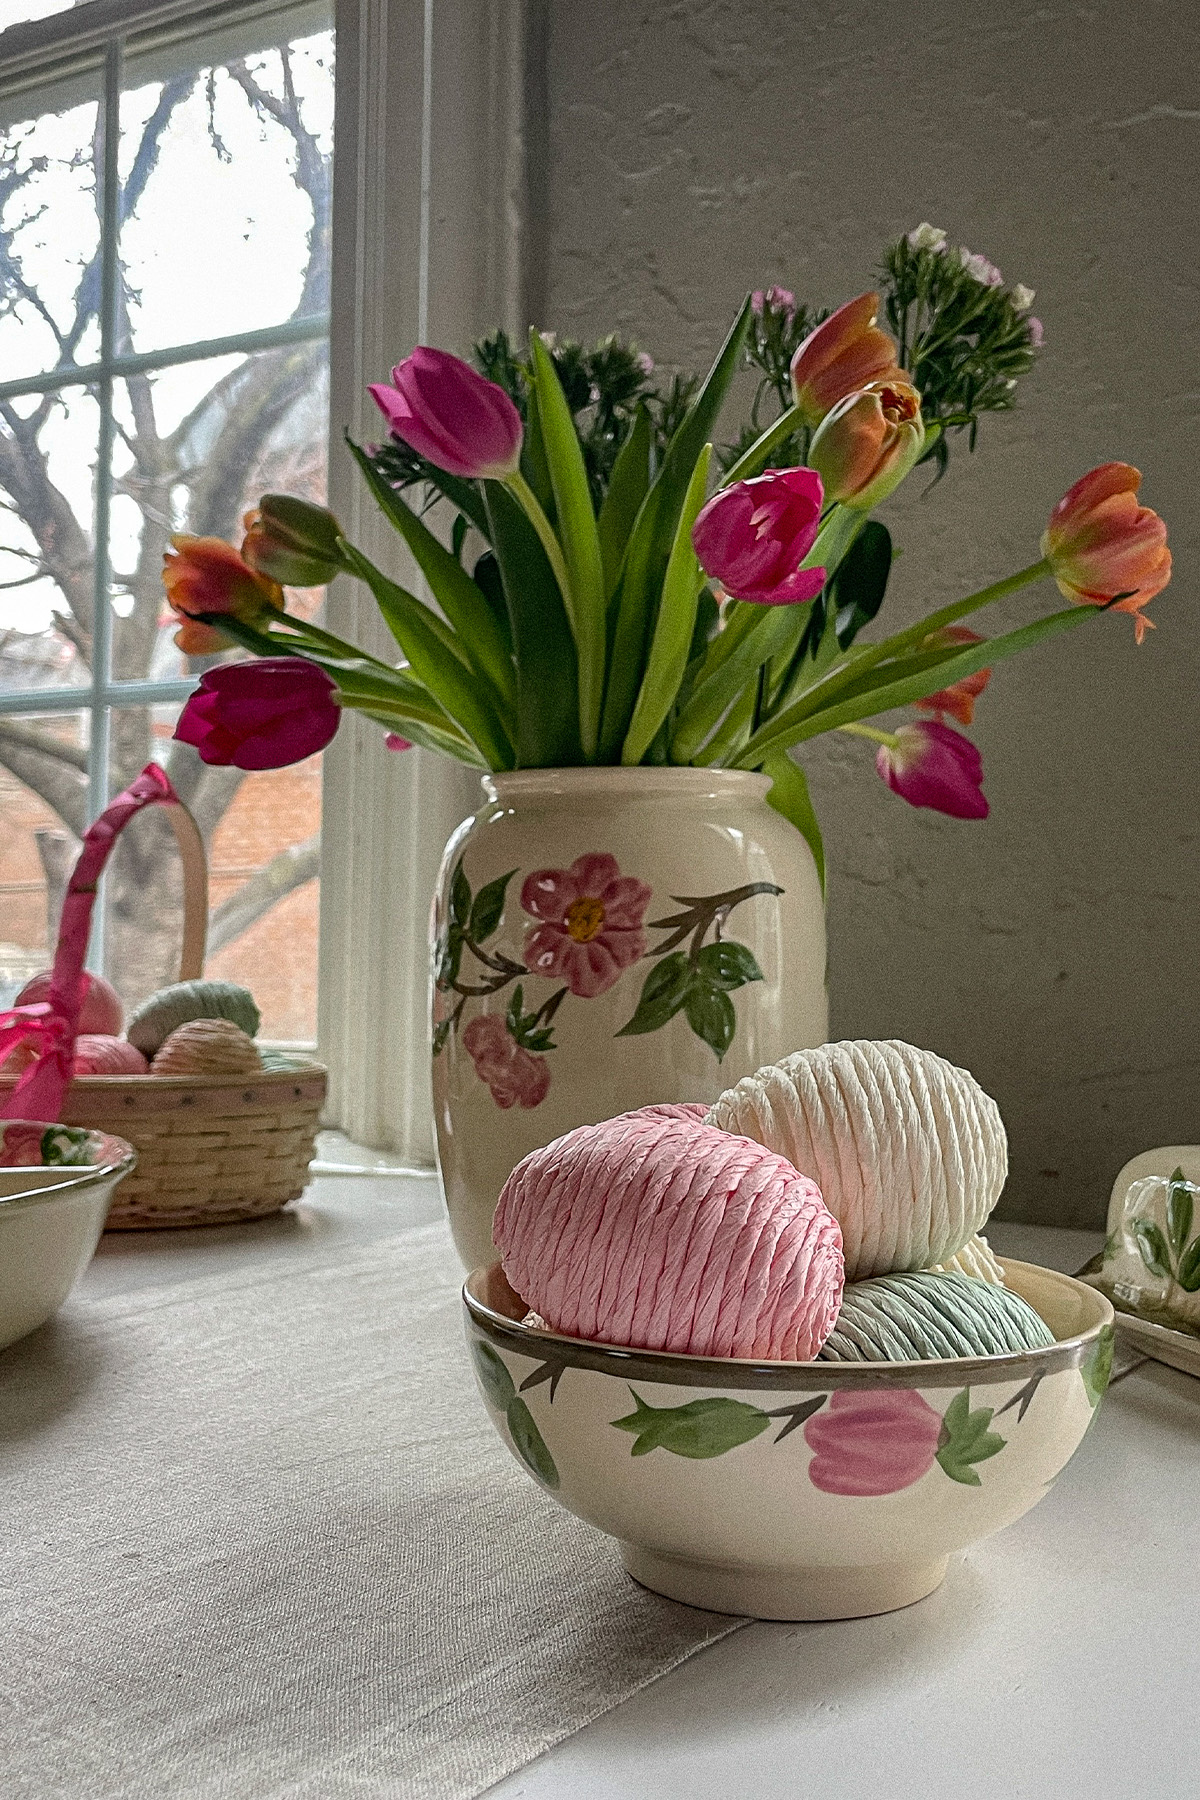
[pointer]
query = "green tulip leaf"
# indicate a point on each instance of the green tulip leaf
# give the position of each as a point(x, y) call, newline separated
point(664, 992)
point(701, 1429)
point(709, 1012)
point(626, 490)
point(858, 587)
point(790, 798)
point(529, 1443)
point(1098, 1367)
point(1153, 1247)
point(497, 1384)
point(547, 720)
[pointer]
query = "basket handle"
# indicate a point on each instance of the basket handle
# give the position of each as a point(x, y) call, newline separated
point(54, 1023)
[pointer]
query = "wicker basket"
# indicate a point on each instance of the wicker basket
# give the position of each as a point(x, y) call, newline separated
point(211, 1150)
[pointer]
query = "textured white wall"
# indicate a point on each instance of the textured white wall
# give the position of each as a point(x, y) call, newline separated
point(697, 149)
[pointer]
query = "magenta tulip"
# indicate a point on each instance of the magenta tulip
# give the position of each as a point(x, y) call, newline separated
point(261, 715)
point(932, 765)
point(753, 536)
point(451, 416)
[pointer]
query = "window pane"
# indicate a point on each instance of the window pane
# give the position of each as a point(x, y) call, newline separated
point(49, 238)
point(262, 832)
point(42, 794)
point(226, 174)
point(47, 470)
point(196, 446)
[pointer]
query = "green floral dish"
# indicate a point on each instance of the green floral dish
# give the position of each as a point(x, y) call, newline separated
point(792, 1490)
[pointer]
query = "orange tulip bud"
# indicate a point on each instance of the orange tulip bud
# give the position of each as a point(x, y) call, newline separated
point(206, 575)
point(959, 698)
point(1105, 549)
point(867, 443)
point(845, 353)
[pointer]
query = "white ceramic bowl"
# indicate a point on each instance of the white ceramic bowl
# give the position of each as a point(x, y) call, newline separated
point(792, 1490)
point(55, 1185)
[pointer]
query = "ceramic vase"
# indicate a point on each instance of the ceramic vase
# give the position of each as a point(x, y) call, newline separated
point(603, 938)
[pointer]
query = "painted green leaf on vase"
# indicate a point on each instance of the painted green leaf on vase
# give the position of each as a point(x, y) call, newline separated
point(728, 966)
point(530, 1444)
point(460, 897)
point(1153, 1247)
point(1098, 1366)
point(497, 1384)
point(965, 1439)
point(701, 1429)
point(1179, 1211)
point(709, 1012)
point(488, 908)
point(663, 993)
point(1189, 1267)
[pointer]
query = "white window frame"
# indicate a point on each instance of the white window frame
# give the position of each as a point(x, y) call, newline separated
point(438, 118)
point(437, 162)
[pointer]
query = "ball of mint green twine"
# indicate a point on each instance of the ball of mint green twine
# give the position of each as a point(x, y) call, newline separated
point(914, 1317)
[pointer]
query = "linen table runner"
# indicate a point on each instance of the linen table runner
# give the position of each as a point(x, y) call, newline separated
point(261, 1543)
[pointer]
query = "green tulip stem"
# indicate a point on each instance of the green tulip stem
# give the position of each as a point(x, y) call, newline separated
point(751, 461)
point(532, 506)
point(870, 731)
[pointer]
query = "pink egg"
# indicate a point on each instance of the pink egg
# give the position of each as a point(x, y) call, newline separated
point(99, 1054)
point(663, 1233)
point(101, 1012)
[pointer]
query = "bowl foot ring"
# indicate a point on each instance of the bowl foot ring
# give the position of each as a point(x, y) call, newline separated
point(854, 1593)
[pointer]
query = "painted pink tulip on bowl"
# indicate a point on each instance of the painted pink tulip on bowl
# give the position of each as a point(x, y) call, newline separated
point(872, 1443)
point(454, 418)
point(261, 715)
point(753, 536)
point(931, 764)
point(515, 1076)
point(591, 923)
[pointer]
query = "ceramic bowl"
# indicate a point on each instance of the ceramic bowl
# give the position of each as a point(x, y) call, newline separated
point(792, 1490)
point(55, 1185)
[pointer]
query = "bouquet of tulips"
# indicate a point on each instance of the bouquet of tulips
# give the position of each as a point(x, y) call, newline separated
point(610, 587)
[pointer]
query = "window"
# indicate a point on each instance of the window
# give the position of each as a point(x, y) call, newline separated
point(165, 203)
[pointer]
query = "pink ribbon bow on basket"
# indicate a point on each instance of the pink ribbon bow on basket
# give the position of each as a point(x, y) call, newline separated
point(52, 1025)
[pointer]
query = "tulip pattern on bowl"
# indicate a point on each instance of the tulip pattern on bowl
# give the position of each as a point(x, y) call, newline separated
point(584, 929)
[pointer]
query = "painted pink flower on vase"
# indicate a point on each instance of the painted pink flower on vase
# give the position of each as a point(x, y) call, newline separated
point(931, 764)
point(872, 1443)
point(590, 927)
point(515, 1076)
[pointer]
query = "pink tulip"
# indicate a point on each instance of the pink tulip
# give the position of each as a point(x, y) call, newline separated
point(753, 536)
point(261, 715)
point(959, 698)
point(929, 764)
point(1100, 544)
point(451, 416)
point(868, 442)
point(845, 353)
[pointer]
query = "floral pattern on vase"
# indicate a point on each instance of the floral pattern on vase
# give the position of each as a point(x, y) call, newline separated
point(588, 931)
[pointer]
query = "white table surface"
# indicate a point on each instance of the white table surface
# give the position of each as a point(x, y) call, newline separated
point(1059, 1660)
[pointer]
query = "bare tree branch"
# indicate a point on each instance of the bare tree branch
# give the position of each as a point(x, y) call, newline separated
point(282, 875)
point(32, 737)
point(62, 789)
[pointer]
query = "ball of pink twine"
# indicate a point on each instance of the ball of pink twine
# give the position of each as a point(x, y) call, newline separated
point(659, 1232)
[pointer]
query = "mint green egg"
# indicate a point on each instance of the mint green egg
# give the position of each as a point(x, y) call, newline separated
point(912, 1317)
point(156, 1018)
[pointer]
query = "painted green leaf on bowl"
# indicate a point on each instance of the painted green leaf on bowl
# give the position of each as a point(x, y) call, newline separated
point(965, 1439)
point(529, 1443)
point(702, 1428)
point(1098, 1367)
point(497, 1384)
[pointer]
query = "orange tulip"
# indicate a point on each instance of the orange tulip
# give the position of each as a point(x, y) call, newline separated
point(1106, 550)
point(959, 698)
point(845, 353)
point(206, 575)
point(867, 443)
